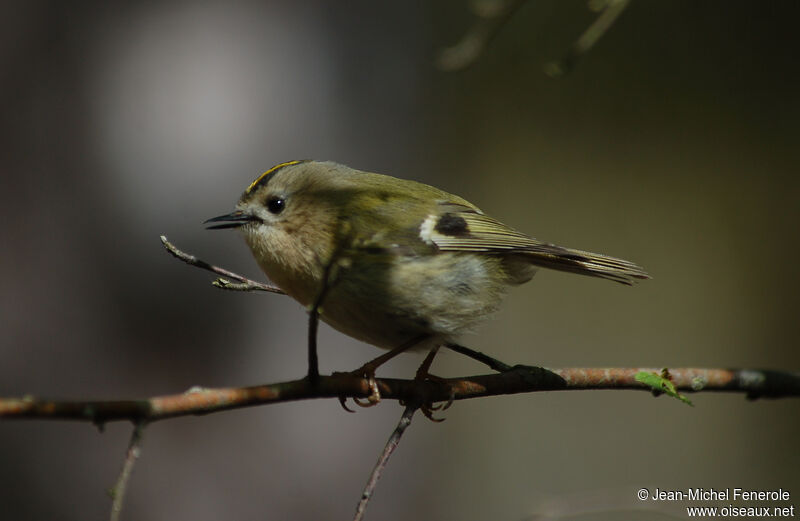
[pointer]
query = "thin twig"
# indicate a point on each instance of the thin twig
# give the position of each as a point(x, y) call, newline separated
point(313, 319)
point(245, 284)
point(343, 237)
point(388, 449)
point(471, 46)
point(520, 379)
point(491, 21)
point(313, 358)
point(134, 449)
point(611, 9)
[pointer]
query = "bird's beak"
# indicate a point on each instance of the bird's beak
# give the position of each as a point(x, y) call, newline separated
point(231, 220)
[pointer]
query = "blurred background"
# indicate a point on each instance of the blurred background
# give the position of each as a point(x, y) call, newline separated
point(674, 143)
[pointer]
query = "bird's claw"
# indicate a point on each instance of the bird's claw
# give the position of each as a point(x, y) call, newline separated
point(343, 403)
point(374, 397)
point(429, 408)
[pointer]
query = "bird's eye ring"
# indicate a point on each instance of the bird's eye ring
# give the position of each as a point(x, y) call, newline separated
point(276, 204)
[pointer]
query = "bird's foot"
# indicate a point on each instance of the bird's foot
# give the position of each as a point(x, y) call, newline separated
point(429, 408)
point(365, 371)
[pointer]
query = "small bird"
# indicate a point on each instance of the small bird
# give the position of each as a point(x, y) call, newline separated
point(399, 264)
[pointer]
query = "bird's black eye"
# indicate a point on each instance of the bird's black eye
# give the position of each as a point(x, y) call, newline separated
point(276, 204)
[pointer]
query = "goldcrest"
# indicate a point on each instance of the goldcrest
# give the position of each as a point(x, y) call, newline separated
point(399, 263)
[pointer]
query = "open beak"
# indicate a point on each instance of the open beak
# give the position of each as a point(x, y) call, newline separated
point(231, 220)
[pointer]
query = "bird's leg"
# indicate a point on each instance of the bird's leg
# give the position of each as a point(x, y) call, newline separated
point(487, 360)
point(368, 371)
point(422, 370)
point(424, 374)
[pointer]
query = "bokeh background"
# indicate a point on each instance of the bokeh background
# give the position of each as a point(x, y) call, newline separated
point(674, 143)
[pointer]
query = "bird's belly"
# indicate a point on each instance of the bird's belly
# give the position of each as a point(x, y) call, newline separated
point(392, 302)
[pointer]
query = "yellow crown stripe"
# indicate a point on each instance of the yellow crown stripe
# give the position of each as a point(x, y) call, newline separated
point(268, 172)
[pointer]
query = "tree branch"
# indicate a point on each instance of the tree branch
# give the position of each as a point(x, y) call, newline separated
point(520, 379)
point(134, 449)
point(414, 393)
point(609, 12)
point(491, 19)
point(244, 284)
point(493, 16)
point(383, 459)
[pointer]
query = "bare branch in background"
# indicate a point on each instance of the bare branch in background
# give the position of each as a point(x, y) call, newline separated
point(609, 12)
point(493, 16)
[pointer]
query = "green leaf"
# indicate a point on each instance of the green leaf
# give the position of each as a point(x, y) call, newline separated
point(661, 383)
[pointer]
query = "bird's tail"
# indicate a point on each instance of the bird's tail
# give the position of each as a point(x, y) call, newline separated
point(586, 263)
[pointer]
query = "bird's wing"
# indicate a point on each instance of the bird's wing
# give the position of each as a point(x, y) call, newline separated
point(460, 228)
